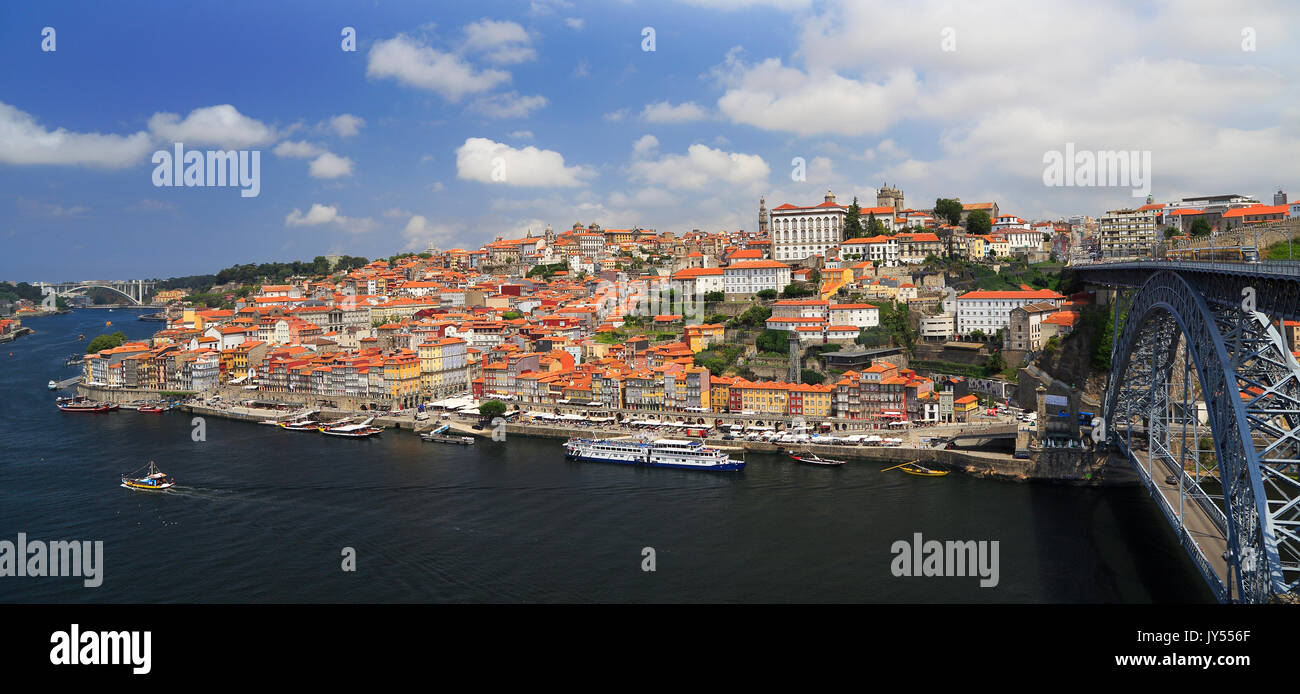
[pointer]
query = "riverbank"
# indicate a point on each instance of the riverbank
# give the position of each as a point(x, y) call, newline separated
point(10, 337)
point(1076, 467)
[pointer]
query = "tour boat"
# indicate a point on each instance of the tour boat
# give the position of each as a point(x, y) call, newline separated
point(303, 424)
point(153, 480)
point(354, 431)
point(814, 459)
point(81, 404)
point(152, 409)
point(918, 469)
point(672, 453)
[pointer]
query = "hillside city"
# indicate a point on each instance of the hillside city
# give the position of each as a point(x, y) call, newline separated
point(880, 315)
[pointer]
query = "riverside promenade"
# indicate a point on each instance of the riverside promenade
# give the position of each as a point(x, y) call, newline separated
point(978, 463)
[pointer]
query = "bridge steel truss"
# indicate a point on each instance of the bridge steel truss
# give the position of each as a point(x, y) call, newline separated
point(1208, 326)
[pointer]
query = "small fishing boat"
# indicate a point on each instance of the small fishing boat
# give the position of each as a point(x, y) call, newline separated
point(445, 438)
point(152, 409)
point(54, 385)
point(152, 480)
point(921, 470)
point(81, 337)
point(814, 459)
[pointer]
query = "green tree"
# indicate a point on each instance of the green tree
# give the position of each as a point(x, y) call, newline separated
point(978, 223)
point(492, 409)
point(773, 341)
point(1170, 232)
point(766, 294)
point(874, 226)
point(811, 377)
point(106, 341)
point(853, 220)
point(755, 316)
point(512, 315)
point(714, 297)
point(1200, 227)
point(995, 364)
point(948, 210)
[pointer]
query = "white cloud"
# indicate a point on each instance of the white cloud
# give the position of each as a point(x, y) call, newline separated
point(522, 134)
point(330, 165)
point(223, 126)
point(499, 42)
point(701, 168)
point(24, 141)
point(615, 116)
point(420, 232)
point(416, 65)
point(787, 5)
point(480, 158)
point(298, 150)
point(665, 112)
point(35, 208)
point(346, 124)
point(508, 105)
point(575, 23)
point(582, 69)
point(645, 146)
point(774, 97)
point(320, 215)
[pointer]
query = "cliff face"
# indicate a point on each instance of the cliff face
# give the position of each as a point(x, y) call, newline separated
point(1071, 363)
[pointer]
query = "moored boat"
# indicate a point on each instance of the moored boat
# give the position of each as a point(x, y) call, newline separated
point(302, 424)
point(354, 431)
point(671, 453)
point(82, 404)
point(153, 479)
point(152, 409)
point(921, 470)
point(814, 459)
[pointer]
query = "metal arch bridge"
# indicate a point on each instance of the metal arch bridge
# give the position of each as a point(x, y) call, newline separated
point(1216, 324)
point(135, 290)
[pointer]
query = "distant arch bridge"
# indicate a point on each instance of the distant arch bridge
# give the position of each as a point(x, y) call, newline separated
point(133, 290)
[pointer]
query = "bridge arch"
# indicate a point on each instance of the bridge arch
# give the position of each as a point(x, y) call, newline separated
point(1234, 351)
point(85, 287)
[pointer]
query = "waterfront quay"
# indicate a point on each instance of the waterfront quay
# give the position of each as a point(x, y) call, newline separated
point(1081, 466)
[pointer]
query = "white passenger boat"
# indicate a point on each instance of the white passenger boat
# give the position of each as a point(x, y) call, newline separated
point(672, 453)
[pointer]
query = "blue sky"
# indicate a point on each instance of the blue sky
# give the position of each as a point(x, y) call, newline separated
point(391, 147)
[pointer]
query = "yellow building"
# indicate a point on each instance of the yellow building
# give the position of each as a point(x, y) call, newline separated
point(402, 377)
point(699, 337)
point(169, 295)
point(976, 247)
point(764, 397)
point(810, 400)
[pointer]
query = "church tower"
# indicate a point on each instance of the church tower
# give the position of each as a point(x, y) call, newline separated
point(889, 197)
point(762, 216)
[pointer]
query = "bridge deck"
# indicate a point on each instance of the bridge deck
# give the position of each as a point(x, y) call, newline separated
point(1210, 540)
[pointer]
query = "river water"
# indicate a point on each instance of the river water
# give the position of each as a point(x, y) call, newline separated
point(264, 515)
